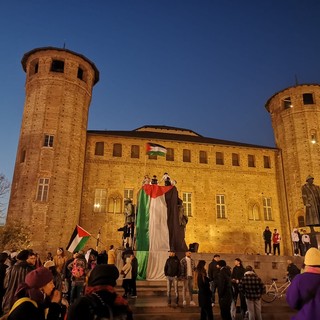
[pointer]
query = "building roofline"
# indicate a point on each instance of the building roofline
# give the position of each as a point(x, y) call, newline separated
point(168, 128)
point(298, 85)
point(148, 135)
point(29, 53)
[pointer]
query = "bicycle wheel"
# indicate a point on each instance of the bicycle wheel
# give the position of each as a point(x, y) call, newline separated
point(270, 295)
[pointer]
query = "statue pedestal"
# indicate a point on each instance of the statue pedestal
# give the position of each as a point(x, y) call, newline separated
point(315, 239)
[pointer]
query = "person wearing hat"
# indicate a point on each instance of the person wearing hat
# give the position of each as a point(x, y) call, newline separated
point(100, 299)
point(36, 294)
point(311, 200)
point(172, 271)
point(16, 275)
point(303, 293)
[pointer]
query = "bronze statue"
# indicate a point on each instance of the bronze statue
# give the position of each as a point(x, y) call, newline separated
point(311, 200)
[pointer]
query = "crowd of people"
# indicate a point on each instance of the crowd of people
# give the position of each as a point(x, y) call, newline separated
point(83, 286)
point(62, 287)
point(230, 283)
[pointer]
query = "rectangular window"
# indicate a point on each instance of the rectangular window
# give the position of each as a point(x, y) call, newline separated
point(34, 67)
point(170, 154)
point(186, 198)
point(135, 151)
point(221, 206)
point(203, 158)
point(308, 98)
point(43, 189)
point(186, 155)
point(235, 159)
point(100, 198)
point(219, 158)
point(48, 141)
point(80, 74)
point(23, 156)
point(99, 149)
point(287, 103)
point(117, 150)
point(266, 162)
point(251, 160)
point(267, 209)
point(57, 66)
point(152, 156)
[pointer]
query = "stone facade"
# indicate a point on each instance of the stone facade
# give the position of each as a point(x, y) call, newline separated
point(47, 182)
point(243, 187)
point(295, 115)
point(65, 175)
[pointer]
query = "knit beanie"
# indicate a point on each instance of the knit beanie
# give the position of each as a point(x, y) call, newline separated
point(103, 274)
point(312, 257)
point(38, 278)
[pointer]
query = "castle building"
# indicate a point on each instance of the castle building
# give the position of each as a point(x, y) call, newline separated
point(66, 175)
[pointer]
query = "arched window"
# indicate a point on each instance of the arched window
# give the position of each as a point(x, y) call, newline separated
point(254, 211)
point(115, 203)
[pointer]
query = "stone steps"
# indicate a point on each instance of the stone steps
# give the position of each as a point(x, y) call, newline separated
point(151, 303)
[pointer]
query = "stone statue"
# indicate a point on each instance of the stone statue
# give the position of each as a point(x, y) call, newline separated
point(311, 200)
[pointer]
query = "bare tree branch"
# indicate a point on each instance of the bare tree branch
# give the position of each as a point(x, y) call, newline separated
point(4, 190)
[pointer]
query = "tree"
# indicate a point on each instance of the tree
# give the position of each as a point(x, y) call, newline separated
point(4, 190)
point(14, 237)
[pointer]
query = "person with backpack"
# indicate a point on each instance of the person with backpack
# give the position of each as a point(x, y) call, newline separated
point(78, 269)
point(35, 297)
point(101, 300)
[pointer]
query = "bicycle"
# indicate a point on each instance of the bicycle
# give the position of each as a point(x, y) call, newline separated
point(273, 291)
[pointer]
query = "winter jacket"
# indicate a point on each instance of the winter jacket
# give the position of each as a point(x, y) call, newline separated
point(14, 277)
point(303, 295)
point(127, 269)
point(183, 265)
point(251, 286)
point(213, 271)
point(204, 294)
point(172, 267)
point(267, 234)
point(224, 287)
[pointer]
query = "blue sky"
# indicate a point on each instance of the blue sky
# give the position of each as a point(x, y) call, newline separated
point(205, 65)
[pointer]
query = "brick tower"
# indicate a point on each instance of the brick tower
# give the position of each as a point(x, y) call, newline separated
point(48, 174)
point(295, 114)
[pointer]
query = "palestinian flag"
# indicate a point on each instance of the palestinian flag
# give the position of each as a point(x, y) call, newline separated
point(78, 239)
point(155, 149)
point(157, 229)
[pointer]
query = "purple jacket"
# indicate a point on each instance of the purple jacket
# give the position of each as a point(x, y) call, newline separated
point(304, 295)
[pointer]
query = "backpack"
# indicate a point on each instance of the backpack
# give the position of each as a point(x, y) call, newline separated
point(17, 304)
point(77, 269)
point(101, 310)
point(96, 306)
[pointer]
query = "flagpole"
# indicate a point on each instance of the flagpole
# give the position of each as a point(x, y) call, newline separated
point(98, 239)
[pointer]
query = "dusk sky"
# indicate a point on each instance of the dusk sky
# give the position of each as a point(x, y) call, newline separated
point(204, 65)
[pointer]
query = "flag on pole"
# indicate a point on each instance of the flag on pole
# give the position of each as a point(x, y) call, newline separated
point(155, 149)
point(78, 239)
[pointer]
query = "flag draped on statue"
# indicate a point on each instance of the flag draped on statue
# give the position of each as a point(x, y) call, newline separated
point(78, 239)
point(155, 149)
point(157, 229)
